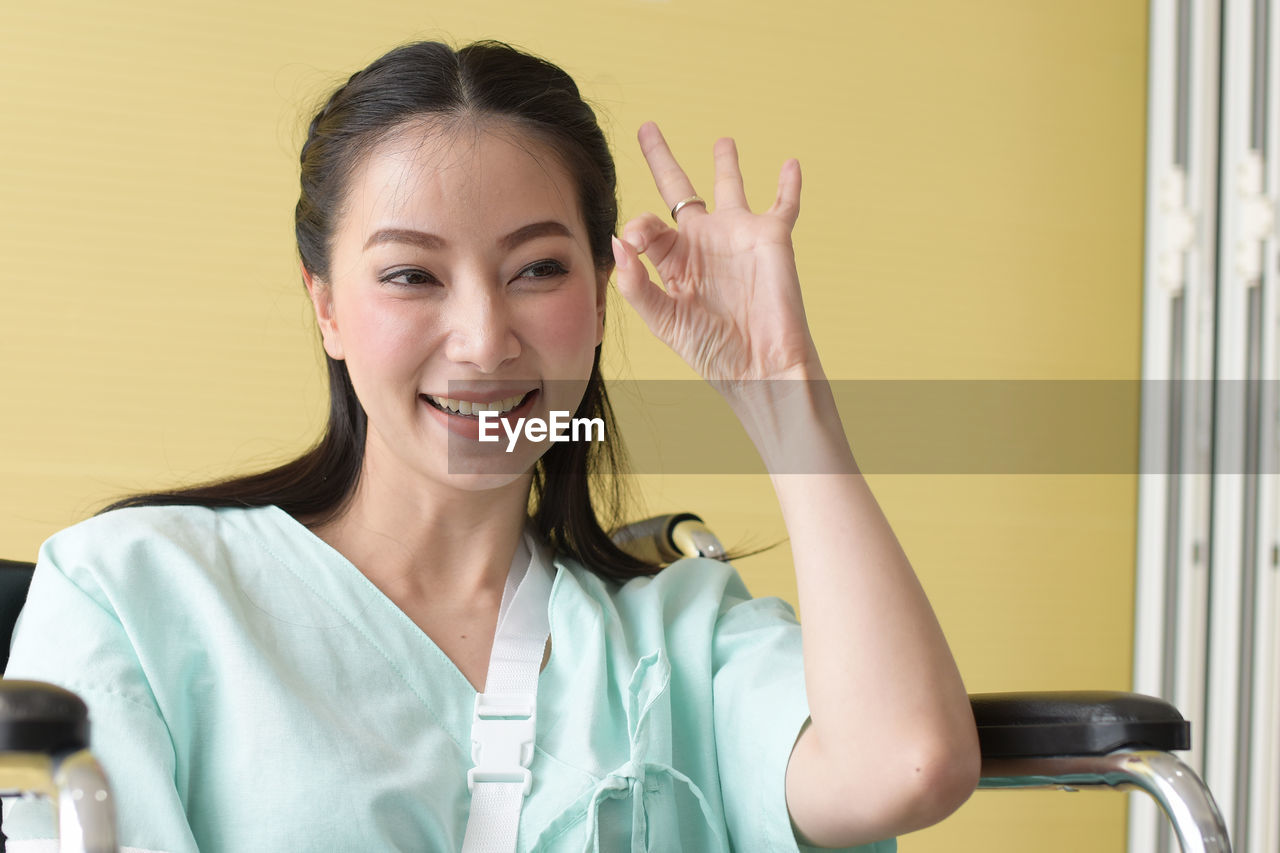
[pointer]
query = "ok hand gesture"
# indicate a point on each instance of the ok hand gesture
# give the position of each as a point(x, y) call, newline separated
point(731, 307)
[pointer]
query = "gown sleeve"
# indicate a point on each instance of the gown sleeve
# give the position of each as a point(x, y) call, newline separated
point(69, 634)
point(760, 707)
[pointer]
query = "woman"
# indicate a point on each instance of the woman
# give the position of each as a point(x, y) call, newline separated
point(292, 660)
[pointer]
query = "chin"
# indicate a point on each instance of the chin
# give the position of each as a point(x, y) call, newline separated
point(486, 471)
point(483, 482)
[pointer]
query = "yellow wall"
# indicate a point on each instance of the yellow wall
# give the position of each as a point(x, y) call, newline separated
point(972, 209)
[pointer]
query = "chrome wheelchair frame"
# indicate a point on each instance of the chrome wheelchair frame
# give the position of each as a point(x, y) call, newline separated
point(1067, 741)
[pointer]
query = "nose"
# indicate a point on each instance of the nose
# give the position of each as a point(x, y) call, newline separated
point(481, 332)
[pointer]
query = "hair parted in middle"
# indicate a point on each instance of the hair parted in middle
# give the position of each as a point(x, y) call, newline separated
point(578, 492)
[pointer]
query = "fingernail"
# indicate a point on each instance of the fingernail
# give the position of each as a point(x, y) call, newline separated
point(619, 254)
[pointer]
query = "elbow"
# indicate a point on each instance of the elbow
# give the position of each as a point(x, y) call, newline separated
point(911, 784)
point(938, 780)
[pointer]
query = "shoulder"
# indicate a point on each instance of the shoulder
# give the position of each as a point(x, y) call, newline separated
point(691, 580)
point(129, 544)
point(141, 529)
point(132, 524)
point(693, 590)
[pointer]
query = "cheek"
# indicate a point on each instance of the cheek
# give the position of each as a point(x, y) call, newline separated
point(384, 335)
point(567, 327)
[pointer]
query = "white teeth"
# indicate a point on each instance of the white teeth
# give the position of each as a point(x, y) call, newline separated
point(466, 407)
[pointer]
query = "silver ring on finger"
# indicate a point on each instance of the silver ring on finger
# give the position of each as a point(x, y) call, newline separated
point(680, 205)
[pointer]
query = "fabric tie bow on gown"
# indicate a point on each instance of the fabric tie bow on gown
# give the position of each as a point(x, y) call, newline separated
point(647, 780)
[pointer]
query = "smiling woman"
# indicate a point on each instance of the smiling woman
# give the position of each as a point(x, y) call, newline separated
point(492, 287)
point(401, 639)
point(399, 148)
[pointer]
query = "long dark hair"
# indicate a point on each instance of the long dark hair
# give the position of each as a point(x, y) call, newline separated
point(572, 480)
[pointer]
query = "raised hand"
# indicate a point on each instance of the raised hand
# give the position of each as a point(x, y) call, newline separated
point(731, 308)
point(873, 650)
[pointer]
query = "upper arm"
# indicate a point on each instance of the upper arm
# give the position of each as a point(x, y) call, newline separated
point(761, 711)
point(778, 778)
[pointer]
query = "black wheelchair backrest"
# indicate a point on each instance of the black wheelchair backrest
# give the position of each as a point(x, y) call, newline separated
point(15, 577)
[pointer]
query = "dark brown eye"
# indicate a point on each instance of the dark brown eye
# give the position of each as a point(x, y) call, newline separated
point(409, 277)
point(543, 269)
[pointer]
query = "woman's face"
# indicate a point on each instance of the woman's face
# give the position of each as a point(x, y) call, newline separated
point(461, 276)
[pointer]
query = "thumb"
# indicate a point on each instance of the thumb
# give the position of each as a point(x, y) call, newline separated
point(651, 302)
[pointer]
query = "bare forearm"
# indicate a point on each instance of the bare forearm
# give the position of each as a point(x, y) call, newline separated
point(883, 688)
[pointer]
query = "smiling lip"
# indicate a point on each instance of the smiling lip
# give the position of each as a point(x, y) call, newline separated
point(487, 394)
point(468, 426)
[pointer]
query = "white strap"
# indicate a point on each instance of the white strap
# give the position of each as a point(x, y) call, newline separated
point(504, 721)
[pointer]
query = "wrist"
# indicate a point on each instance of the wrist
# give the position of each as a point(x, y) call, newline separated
point(794, 425)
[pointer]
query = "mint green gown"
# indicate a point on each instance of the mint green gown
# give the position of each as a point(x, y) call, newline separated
point(250, 690)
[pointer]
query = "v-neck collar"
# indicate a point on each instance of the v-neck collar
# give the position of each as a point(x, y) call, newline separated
point(427, 671)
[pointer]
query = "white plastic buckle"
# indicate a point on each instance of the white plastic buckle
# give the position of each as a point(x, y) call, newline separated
point(502, 740)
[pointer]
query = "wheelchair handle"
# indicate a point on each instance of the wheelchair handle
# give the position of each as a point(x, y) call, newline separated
point(667, 538)
point(44, 738)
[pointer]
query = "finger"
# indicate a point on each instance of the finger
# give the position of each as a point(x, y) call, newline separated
point(651, 302)
point(673, 184)
point(650, 235)
point(787, 204)
point(729, 189)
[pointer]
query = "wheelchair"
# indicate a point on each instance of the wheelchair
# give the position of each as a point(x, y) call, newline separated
point(1068, 741)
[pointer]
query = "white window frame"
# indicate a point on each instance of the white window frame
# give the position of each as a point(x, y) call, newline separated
point(1207, 595)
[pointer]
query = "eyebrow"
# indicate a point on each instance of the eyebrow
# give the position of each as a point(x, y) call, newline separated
point(549, 228)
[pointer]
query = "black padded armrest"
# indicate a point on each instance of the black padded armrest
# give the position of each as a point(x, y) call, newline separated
point(1026, 725)
point(39, 717)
